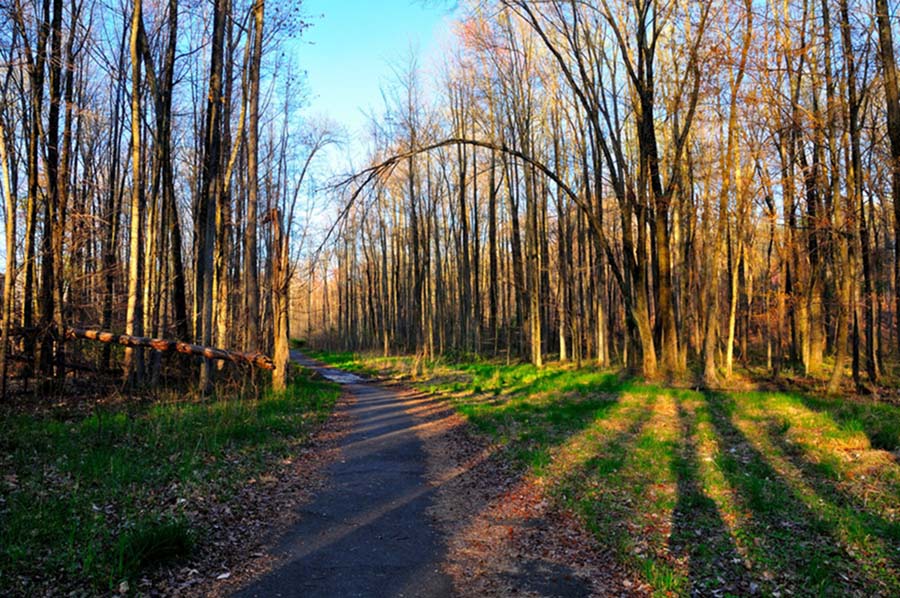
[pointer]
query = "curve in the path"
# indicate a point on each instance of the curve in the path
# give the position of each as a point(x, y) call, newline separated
point(367, 533)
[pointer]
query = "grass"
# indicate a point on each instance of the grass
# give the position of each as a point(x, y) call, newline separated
point(92, 501)
point(150, 542)
point(347, 361)
point(724, 493)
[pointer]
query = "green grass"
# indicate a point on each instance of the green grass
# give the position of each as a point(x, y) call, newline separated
point(347, 361)
point(878, 420)
point(699, 493)
point(95, 500)
point(152, 541)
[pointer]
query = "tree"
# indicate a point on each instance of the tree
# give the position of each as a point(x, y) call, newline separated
point(892, 102)
point(9, 201)
point(211, 181)
point(251, 282)
point(134, 359)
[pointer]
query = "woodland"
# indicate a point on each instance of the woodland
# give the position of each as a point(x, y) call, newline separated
point(664, 187)
point(675, 188)
point(648, 249)
point(135, 203)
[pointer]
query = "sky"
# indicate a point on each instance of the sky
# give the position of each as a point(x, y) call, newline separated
point(352, 46)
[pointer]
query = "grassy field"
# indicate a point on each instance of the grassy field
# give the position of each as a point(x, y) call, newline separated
point(699, 492)
point(87, 502)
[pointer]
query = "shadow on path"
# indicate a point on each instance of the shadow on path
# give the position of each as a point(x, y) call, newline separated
point(367, 533)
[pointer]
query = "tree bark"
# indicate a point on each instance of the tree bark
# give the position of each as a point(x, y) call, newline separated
point(134, 359)
point(10, 276)
point(254, 359)
point(280, 285)
point(892, 99)
point(209, 193)
point(251, 280)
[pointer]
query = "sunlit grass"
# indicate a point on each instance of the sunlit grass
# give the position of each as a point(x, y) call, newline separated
point(94, 500)
point(700, 493)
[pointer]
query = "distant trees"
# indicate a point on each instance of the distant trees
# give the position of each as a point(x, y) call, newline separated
point(651, 184)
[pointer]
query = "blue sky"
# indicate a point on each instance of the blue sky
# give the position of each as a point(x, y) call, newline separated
point(349, 51)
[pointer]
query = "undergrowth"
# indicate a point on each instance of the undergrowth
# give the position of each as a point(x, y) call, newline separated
point(87, 502)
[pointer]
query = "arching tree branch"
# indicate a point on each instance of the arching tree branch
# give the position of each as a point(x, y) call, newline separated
point(386, 166)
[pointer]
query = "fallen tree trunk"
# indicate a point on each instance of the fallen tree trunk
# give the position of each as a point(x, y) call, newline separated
point(165, 346)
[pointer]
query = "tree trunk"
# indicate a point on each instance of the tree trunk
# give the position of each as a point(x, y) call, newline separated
point(10, 276)
point(134, 359)
point(843, 220)
point(209, 193)
point(254, 359)
point(280, 285)
point(892, 99)
point(49, 274)
point(251, 280)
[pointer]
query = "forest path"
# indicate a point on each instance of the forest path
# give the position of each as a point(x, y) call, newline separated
point(367, 533)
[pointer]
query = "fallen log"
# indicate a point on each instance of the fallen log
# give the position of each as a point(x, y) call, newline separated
point(165, 346)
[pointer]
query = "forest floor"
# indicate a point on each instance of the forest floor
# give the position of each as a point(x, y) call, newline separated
point(646, 489)
point(558, 481)
point(155, 497)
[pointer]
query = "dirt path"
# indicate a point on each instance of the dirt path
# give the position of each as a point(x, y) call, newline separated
point(368, 533)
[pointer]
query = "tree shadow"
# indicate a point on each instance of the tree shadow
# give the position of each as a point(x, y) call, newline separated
point(879, 421)
point(606, 490)
point(546, 412)
point(547, 578)
point(776, 535)
point(495, 518)
point(787, 541)
point(698, 532)
point(847, 506)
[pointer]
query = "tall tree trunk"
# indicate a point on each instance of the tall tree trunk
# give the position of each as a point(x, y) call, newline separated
point(843, 220)
point(892, 98)
point(209, 193)
point(67, 67)
point(859, 205)
point(465, 274)
point(280, 285)
point(224, 247)
point(169, 208)
point(134, 358)
point(51, 228)
point(493, 264)
point(251, 280)
point(9, 288)
point(562, 258)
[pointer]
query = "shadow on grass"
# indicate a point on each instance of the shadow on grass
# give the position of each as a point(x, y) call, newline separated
point(662, 503)
point(789, 541)
point(696, 502)
point(611, 491)
point(805, 534)
point(698, 532)
point(880, 422)
point(532, 422)
point(845, 509)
